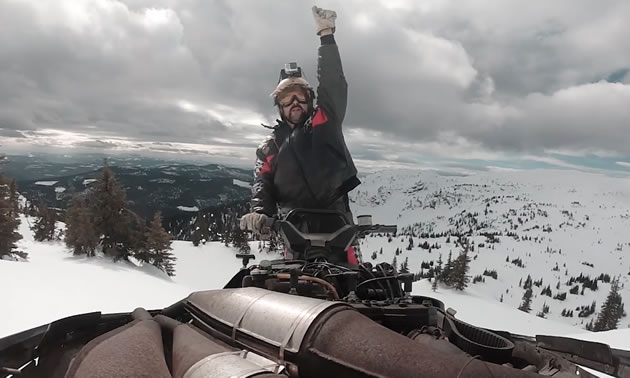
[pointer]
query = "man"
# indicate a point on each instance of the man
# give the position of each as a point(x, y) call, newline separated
point(305, 163)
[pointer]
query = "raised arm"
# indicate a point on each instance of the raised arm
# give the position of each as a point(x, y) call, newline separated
point(332, 93)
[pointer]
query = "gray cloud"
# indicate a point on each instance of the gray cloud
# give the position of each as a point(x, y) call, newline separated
point(11, 133)
point(96, 144)
point(519, 77)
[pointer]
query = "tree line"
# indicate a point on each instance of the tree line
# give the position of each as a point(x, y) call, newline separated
point(9, 219)
point(100, 219)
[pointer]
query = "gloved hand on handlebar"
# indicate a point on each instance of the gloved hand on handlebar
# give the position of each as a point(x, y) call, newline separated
point(255, 222)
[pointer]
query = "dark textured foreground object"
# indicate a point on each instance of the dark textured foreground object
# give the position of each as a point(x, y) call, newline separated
point(134, 350)
point(348, 344)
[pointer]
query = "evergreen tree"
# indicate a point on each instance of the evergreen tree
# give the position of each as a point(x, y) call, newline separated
point(460, 278)
point(112, 219)
point(9, 220)
point(438, 268)
point(526, 304)
point(448, 268)
point(44, 225)
point(611, 311)
point(200, 230)
point(528, 282)
point(135, 238)
point(404, 266)
point(589, 325)
point(274, 243)
point(158, 246)
point(14, 196)
point(80, 233)
point(240, 241)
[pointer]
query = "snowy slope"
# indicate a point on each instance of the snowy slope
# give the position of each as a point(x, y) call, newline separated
point(54, 284)
point(588, 216)
point(572, 219)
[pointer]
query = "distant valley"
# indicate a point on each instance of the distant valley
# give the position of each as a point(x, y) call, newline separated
point(176, 189)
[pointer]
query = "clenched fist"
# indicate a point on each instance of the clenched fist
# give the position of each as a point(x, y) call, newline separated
point(324, 19)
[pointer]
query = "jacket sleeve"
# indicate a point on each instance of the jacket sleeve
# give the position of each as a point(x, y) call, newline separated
point(332, 93)
point(263, 198)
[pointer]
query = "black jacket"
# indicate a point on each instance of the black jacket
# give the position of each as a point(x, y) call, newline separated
point(309, 166)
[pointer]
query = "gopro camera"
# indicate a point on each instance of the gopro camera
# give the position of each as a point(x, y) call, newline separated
point(291, 70)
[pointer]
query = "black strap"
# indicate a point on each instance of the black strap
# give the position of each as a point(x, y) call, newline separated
point(477, 341)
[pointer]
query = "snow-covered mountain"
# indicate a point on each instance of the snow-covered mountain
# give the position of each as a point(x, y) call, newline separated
point(560, 224)
point(54, 284)
point(575, 220)
point(64, 285)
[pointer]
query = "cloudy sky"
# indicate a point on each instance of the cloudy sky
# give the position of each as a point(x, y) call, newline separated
point(434, 83)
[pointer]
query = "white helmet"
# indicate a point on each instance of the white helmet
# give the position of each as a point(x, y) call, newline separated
point(291, 77)
point(290, 82)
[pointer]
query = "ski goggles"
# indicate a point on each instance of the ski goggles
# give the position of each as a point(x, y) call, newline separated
point(300, 99)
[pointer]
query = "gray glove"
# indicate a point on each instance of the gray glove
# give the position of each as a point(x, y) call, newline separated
point(255, 222)
point(324, 19)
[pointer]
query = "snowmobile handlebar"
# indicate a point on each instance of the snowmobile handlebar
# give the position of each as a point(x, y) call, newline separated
point(274, 224)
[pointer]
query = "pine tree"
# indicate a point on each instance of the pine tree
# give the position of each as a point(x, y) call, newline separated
point(14, 196)
point(404, 266)
point(438, 268)
point(448, 268)
point(44, 225)
point(157, 249)
point(9, 221)
point(526, 304)
point(200, 230)
point(240, 240)
point(528, 282)
point(80, 233)
point(274, 243)
point(112, 220)
point(611, 311)
point(135, 238)
point(460, 278)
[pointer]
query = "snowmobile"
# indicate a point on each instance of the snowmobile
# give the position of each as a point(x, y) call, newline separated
point(314, 315)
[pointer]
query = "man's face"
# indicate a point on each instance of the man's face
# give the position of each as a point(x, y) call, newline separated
point(294, 104)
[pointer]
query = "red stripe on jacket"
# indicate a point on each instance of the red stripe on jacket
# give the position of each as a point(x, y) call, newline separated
point(320, 118)
point(266, 168)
